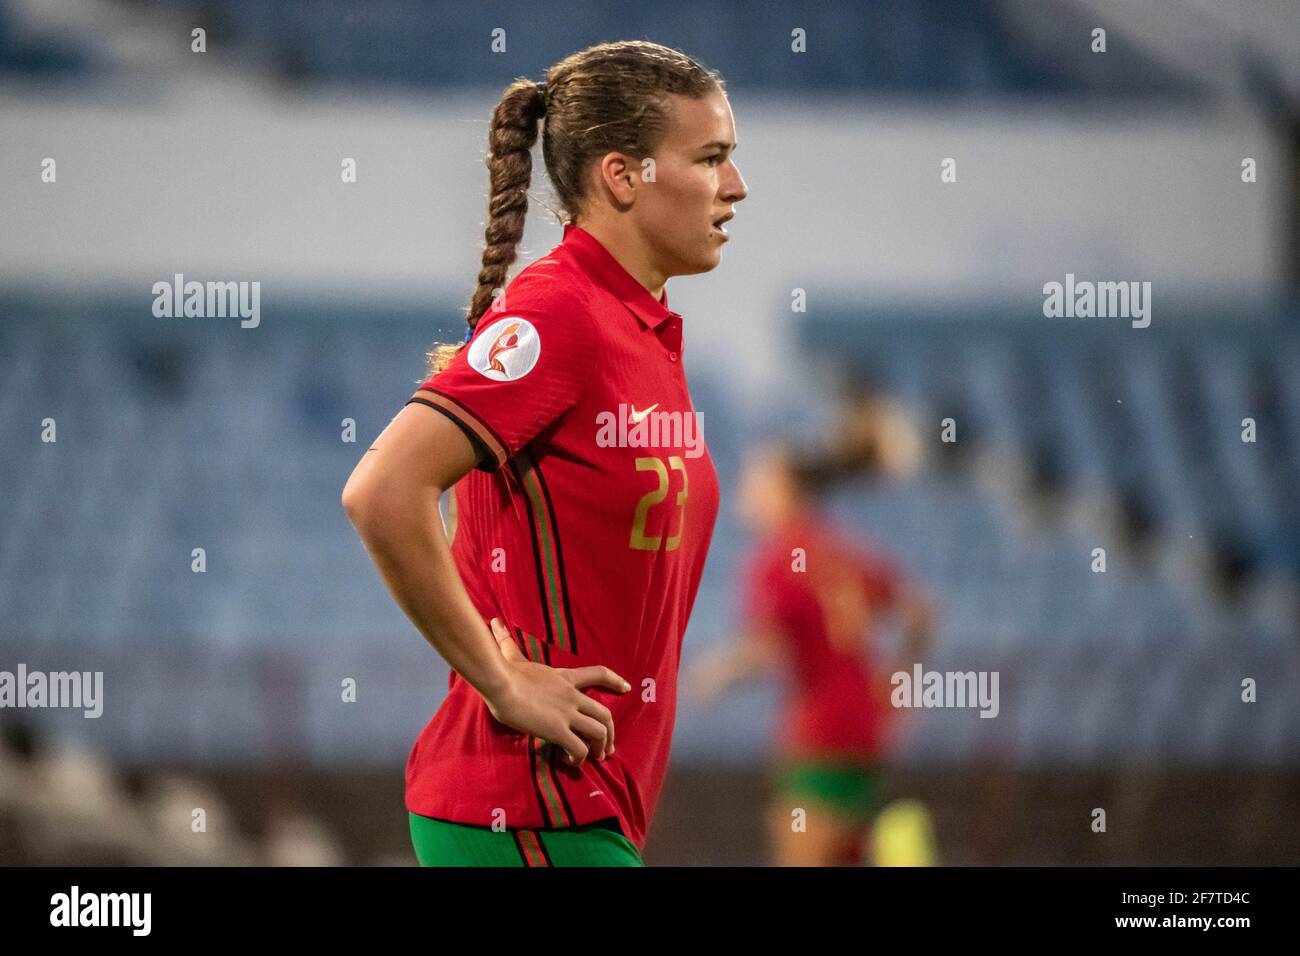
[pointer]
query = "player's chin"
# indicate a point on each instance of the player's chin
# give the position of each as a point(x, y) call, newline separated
point(706, 259)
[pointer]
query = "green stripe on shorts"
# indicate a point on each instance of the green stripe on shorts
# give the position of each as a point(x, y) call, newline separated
point(443, 843)
point(849, 789)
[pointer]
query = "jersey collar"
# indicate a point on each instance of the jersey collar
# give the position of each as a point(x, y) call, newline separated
point(597, 261)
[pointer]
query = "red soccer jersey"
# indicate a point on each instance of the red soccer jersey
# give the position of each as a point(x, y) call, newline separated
point(584, 528)
point(820, 603)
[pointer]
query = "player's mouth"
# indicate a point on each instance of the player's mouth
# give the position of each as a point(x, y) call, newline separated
point(721, 222)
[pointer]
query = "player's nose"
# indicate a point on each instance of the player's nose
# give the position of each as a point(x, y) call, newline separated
point(732, 188)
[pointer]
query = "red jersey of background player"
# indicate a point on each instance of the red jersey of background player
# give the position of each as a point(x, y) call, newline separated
point(819, 604)
point(584, 528)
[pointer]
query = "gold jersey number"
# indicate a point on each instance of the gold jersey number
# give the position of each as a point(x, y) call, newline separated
point(640, 541)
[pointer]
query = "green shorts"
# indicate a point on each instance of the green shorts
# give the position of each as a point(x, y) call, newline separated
point(442, 843)
point(850, 790)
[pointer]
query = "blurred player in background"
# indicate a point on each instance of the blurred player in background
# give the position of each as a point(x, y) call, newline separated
point(813, 604)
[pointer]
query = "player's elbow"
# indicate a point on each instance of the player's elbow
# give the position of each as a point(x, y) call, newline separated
point(353, 500)
point(361, 501)
point(379, 504)
point(372, 513)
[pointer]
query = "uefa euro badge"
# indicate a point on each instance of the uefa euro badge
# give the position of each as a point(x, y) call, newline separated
point(506, 350)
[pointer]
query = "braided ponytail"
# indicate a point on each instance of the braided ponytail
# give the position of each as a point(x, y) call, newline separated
point(509, 161)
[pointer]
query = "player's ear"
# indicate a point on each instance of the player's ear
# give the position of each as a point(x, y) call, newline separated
point(618, 174)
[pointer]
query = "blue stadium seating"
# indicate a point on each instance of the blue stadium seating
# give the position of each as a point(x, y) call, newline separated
point(176, 434)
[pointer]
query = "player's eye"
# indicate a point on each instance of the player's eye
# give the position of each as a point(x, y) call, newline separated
point(714, 159)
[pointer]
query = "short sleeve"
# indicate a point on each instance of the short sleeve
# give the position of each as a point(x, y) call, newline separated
point(760, 599)
point(520, 372)
point(881, 580)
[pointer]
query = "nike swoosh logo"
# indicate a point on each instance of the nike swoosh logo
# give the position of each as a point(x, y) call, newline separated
point(637, 416)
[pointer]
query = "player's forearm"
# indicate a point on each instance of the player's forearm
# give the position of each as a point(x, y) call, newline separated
point(719, 671)
point(404, 536)
point(748, 658)
point(918, 628)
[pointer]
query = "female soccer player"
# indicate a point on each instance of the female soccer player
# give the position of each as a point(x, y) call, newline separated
point(561, 600)
point(812, 600)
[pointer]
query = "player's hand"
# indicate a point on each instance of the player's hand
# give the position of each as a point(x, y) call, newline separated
point(548, 702)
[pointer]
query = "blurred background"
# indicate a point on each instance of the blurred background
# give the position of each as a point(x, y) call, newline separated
point(852, 266)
